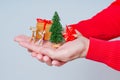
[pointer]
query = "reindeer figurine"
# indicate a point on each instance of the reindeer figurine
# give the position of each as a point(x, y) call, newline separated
point(33, 37)
point(33, 29)
point(42, 38)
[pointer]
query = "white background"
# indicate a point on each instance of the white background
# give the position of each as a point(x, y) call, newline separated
point(16, 63)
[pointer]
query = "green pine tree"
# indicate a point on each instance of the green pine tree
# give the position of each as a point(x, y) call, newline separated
point(56, 30)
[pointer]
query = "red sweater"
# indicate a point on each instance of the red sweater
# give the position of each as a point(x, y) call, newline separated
point(100, 28)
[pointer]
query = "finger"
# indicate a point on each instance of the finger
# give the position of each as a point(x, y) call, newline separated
point(21, 38)
point(40, 57)
point(57, 63)
point(49, 52)
point(33, 54)
point(47, 60)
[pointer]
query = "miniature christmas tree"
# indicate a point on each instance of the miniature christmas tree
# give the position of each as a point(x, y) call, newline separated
point(56, 30)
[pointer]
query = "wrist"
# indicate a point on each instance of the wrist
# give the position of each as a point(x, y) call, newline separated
point(86, 43)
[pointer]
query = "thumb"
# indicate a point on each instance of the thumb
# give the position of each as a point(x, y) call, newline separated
point(78, 32)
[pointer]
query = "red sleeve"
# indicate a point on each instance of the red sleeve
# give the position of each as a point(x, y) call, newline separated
point(105, 51)
point(105, 25)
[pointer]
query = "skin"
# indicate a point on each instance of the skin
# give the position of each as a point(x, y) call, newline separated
point(69, 51)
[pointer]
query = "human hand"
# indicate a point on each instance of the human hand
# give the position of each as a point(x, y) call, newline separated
point(34, 49)
point(71, 50)
point(67, 52)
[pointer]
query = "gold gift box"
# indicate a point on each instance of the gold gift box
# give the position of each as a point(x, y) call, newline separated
point(43, 25)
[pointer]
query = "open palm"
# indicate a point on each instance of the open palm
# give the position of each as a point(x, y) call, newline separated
point(34, 49)
point(65, 53)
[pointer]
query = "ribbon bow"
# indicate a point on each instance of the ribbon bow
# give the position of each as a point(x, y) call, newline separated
point(70, 34)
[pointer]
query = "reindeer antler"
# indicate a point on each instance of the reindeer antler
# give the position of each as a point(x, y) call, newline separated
point(33, 29)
